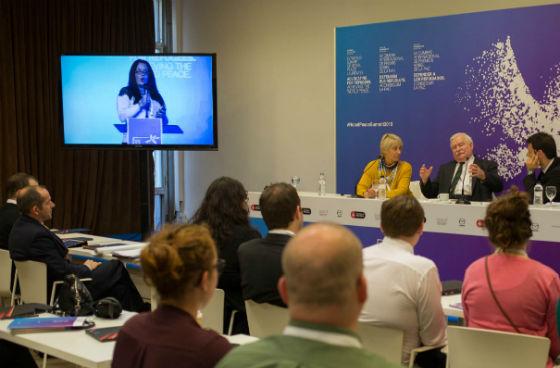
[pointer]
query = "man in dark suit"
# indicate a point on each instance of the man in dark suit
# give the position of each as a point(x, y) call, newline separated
point(465, 177)
point(541, 154)
point(31, 240)
point(9, 212)
point(261, 259)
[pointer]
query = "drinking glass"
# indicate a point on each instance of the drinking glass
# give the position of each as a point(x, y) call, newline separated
point(295, 181)
point(550, 192)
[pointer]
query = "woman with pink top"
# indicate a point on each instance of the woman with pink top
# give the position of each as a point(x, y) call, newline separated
point(507, 290)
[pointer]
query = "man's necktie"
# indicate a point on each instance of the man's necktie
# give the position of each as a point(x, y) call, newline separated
point(456, 178)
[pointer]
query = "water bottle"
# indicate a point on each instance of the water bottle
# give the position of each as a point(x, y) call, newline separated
point(322, 184)
point(538, 194)
point(382, 188)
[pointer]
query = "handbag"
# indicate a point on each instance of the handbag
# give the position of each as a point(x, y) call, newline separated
point(74, 298)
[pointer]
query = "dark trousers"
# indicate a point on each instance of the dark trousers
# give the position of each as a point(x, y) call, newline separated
point(234, 301)
point(431, 359)
point(13, 355)
point(112, 279)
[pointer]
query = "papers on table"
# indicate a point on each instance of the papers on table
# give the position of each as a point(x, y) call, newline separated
point(128, 254)
point(120, 248)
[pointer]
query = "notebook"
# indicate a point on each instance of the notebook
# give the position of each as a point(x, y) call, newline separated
point(23, 310)
point(46, 324)
point(104, 334)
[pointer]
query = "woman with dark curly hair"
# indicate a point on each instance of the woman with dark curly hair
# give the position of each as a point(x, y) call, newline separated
point(507, 290)
point(224, 210)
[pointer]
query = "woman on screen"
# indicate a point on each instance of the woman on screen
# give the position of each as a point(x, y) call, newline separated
point(388, 166)
point(181, 263)
point(507, 290)
point(141, 98)
point(225, 211)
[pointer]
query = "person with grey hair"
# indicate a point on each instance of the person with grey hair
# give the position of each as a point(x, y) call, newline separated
point(466, 176)
point(324, 287)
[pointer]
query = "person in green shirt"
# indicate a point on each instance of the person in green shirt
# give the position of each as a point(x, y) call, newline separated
point(324, 287)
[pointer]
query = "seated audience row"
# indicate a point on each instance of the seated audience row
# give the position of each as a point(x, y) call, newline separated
point(31, 240)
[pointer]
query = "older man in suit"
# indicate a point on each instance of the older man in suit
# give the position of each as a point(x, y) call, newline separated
point(31, 239)
point(466, 176)
point(261, 259)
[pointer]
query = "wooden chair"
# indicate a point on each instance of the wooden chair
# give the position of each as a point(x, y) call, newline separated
point(475, 348)
point(265, 319)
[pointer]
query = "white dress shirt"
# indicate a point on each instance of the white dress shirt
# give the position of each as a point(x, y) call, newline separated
point(404, 292)
point(466, 178)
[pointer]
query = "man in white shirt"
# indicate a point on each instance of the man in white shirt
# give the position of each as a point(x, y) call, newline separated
point(405, 288)
point(541, 154)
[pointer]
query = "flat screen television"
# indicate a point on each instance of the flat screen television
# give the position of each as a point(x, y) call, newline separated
point(158, 101)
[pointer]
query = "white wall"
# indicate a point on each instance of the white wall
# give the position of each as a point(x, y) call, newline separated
point(276, 81)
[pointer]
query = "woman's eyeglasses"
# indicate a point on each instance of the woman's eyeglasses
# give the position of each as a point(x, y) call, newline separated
point(220, 265)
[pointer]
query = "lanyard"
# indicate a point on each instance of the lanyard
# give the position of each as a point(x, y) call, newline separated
point(383, 172)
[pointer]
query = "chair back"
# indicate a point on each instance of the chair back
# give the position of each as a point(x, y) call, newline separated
point(32, 278)
point(383, 341)
point(475, 348)
point(5, 273)
point(213, 312)
point(265, 319)
point(414, 188)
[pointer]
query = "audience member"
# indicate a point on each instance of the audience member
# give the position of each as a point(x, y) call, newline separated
point(396, 173)
point(409, 296)
point(261, 259)
point(324, 288)
point(541, 154)
point(181, 263)
point(31, 239)
point(224, 210)
point(466, 176)
point(507, 290)
point(9, 212)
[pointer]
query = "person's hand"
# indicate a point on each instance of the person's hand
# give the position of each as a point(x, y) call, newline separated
point(92, 265)
point(532, 162)
point(370, 193)
point(145, 101)
point(425, 173)
point(161, 112)
point(477, 172)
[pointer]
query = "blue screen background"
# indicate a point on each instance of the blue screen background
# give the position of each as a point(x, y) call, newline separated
point(90, 85)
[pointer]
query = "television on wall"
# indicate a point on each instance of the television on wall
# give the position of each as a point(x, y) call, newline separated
point(158, 101)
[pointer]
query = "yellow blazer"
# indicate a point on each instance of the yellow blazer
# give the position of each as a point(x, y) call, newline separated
point(399, 185)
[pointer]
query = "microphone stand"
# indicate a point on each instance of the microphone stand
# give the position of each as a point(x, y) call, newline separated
point(462, 199)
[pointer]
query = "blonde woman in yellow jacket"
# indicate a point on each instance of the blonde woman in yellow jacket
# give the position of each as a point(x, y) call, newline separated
point(397, 173)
